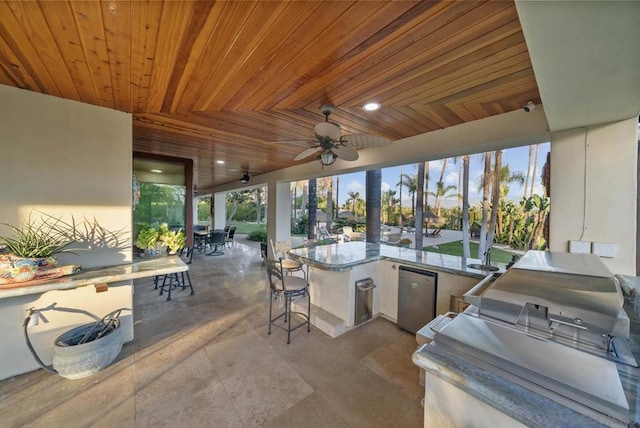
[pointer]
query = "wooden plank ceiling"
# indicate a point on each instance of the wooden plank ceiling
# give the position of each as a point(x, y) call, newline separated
point(223, 80)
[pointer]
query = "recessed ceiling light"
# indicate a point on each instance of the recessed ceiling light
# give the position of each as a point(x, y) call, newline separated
point(157, 171)
point(371, 106)
point(220, 162)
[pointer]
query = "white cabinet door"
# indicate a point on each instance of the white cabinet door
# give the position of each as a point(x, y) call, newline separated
point(389, 289)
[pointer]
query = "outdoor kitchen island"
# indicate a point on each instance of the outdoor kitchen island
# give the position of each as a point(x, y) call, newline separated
point(550, 343)
point(334, 270)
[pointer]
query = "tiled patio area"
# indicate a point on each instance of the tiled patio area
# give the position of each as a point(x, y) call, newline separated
point(207, 361)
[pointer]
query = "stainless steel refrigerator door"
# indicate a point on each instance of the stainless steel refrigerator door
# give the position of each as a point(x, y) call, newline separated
point(416, 298)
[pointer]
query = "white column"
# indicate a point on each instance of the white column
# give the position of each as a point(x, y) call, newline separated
point(593, 190)
point(219, 217)
point(278, 212)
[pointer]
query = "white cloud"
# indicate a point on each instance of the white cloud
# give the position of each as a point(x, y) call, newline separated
point(355, 186)
point(451, 178)
point(384, 186)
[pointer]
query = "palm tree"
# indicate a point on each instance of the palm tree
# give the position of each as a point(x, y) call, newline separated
point(399, 184)
point(486, 179)
point(410, 181)
point(337, 195)
point(442, 192)
point(388, 203)
point(465, 207)
point(419, 204)
point(326, 186)
point(313, 207)
point(533, 173)
point(353, 197)
point(496, 191)
point(526, 183)
point(426, 186)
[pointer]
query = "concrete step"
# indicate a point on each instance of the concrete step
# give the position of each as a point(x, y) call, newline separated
point(321, 319)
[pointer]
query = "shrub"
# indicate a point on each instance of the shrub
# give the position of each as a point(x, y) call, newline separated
point(259, 235)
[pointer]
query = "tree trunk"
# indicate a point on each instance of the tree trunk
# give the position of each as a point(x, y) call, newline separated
point(526, 181)
point(485, 204)
point(305, 198)
point(329, 213)
point(419, 204)
point(294, 214)
point(495, 198)
point(373, 202)
point(535, 167)
point(313, 207)
point(401, 222)
point(258, 205)
point(465, 207)
point(337, 195)
point(444, 166)
point(426, 186)
point(459, 192)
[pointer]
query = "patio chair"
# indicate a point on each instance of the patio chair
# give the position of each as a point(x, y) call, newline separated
point(350, 235)
point(229, 239)
point(216, 241)
point(392, 238)
point(288, 288)
point(434, 234)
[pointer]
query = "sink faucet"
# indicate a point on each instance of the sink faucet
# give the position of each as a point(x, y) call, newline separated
point(487, 257)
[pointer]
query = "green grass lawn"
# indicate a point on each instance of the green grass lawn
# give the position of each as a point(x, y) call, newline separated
point(455, 249)
point(245, 227)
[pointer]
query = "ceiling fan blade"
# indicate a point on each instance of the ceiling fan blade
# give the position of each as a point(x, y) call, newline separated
point(307, 153)
point(361, 141)
point(347, 153)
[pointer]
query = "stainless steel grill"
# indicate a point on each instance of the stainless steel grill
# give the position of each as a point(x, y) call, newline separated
point(554, 323)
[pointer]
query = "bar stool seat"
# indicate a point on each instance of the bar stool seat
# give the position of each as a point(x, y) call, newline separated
point(289, 266)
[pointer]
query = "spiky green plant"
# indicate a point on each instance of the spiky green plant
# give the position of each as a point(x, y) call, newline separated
point(43, 237)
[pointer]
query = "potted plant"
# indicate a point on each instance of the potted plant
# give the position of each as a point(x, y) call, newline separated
point(32, 247)
point(157, 241)
point(405, 242)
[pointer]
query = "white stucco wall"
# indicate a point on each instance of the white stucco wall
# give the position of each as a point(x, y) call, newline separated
point(67, 159)
point(602, 197)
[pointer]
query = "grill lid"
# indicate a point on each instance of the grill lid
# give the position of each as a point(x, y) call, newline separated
point(570, 298)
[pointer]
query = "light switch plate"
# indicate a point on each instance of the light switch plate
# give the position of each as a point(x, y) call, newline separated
point(580, 247)
point(604, 249)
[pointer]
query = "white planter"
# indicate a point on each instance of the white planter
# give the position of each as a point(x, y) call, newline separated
point(82, 360)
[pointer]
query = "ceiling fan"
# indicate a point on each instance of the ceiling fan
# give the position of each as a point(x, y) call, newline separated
point(330, 144)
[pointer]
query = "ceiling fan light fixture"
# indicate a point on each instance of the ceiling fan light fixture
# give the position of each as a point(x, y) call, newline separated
point(371, 106)
point(327, 157)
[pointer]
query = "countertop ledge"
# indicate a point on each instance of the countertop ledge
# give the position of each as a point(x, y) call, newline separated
point(344, 256)
point(138, 269)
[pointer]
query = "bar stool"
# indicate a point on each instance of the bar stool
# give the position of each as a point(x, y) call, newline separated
point(176, 279)
point(289, 266)
point(289, 288)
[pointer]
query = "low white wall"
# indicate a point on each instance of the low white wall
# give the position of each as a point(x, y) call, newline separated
point(593, 190)
point(66, 159)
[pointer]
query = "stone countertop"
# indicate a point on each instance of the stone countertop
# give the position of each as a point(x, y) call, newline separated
point(344, 256)
point(522, 403)
point(139, 269)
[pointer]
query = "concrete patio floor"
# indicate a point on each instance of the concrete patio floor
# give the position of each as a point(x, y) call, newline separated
point(207, 361)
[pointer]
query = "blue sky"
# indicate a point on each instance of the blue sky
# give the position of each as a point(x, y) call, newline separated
point(516, 158)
